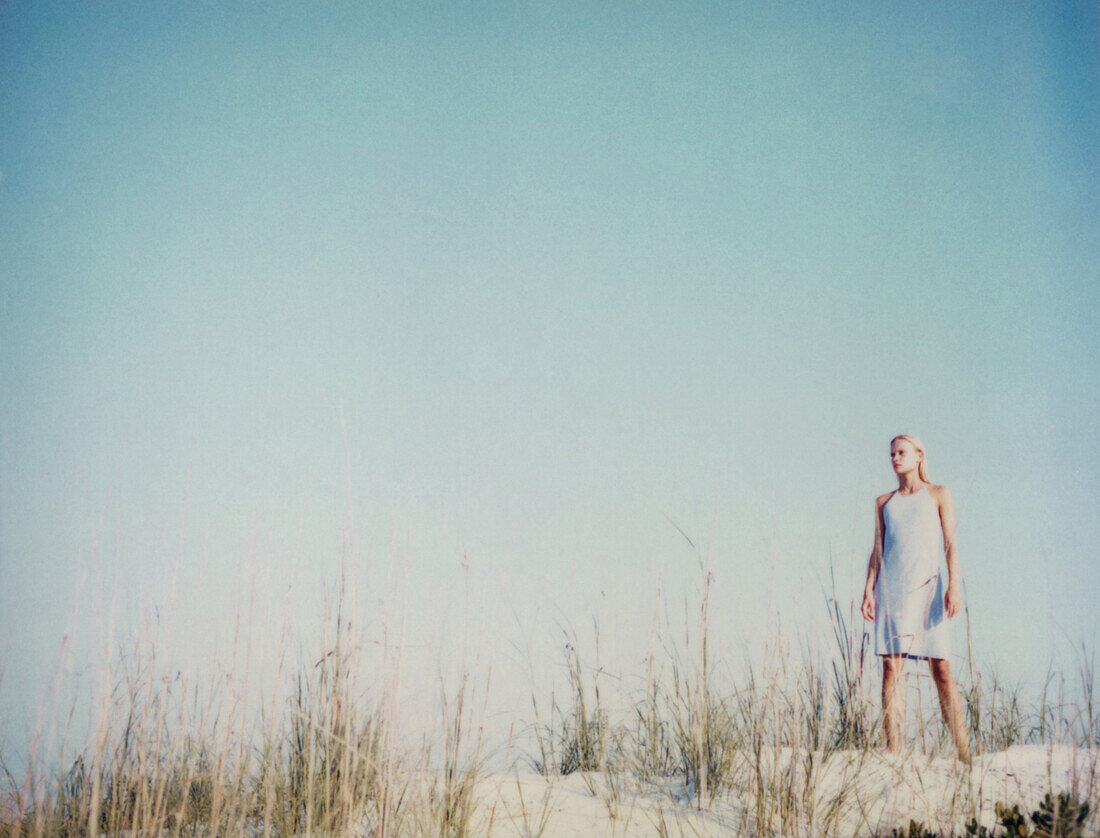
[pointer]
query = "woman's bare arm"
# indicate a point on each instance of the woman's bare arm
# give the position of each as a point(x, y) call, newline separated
point(874, 563)
point(952, 599)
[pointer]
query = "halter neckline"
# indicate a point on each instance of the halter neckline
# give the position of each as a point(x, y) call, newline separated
point(898, 492)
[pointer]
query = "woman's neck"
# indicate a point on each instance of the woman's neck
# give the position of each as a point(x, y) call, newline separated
point(909, 483)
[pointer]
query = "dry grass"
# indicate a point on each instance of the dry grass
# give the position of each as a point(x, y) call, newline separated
point(172, 758)
point(792, 735)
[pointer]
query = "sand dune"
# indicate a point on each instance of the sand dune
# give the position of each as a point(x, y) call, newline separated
point(852, 793)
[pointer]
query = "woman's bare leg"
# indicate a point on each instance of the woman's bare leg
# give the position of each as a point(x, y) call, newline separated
point(951, 705)
point(893, 702)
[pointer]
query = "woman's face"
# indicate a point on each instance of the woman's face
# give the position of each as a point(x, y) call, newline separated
point(904, 456)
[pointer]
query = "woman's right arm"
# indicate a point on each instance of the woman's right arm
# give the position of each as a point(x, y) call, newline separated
point(873, 565)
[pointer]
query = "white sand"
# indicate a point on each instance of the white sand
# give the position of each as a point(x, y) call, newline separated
point(852, 794)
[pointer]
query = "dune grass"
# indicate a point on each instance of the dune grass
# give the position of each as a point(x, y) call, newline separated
point(774, 750)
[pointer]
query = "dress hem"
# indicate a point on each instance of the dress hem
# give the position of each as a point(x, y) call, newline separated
point(908, 656)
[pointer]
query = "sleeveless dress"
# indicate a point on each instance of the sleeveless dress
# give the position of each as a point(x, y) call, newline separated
point(910, 619)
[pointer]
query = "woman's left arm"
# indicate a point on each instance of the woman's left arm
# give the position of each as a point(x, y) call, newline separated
point(952, 599)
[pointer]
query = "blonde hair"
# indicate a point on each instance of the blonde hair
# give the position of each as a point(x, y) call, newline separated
point(922, 466)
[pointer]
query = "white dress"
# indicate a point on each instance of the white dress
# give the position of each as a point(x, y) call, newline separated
point(909, 612)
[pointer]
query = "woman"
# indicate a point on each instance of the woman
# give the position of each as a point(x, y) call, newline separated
point(904, 596)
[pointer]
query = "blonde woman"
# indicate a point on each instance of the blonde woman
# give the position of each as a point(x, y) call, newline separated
point(905, 597)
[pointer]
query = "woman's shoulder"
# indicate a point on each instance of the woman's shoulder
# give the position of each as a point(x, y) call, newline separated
point(941, 495)
point(880, 501)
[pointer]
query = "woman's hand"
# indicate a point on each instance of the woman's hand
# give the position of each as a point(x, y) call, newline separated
point(952, 600)
point(868, 607)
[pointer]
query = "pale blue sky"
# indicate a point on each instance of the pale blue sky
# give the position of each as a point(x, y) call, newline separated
point(514, 284)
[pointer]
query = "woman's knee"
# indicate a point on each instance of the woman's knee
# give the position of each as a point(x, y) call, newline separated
point(941, 670)
point(892, 665)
